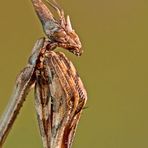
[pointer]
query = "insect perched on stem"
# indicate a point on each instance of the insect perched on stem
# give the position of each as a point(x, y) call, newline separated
point(59, 92)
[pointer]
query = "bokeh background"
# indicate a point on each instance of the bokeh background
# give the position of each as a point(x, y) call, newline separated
point(114, 68)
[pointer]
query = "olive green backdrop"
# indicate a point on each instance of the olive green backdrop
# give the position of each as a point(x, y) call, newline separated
point(114, 68)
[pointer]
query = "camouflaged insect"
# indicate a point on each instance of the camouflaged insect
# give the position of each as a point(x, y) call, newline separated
point(59, 92)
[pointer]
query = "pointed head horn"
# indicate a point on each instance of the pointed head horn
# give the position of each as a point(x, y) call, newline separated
point(68, 24)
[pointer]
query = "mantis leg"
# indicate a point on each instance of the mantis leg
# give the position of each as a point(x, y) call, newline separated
point(22, 86)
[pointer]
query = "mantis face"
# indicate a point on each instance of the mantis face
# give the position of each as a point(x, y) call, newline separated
point(59, 31)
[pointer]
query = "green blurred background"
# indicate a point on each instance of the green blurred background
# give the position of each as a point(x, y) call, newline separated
point(113, 67)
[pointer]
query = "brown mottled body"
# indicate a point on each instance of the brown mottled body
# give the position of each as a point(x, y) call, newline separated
point(60, 97)
point(59, 92)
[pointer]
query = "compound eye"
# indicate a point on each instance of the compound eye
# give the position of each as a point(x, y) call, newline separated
point(60, 34)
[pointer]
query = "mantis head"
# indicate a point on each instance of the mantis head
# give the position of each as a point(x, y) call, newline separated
point(58, 30)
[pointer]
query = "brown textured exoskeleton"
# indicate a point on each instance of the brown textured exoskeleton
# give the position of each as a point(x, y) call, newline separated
point(59, 92)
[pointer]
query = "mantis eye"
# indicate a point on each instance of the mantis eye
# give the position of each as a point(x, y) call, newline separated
point(60, 36)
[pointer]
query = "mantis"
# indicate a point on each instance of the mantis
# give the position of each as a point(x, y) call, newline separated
point(59, 92)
